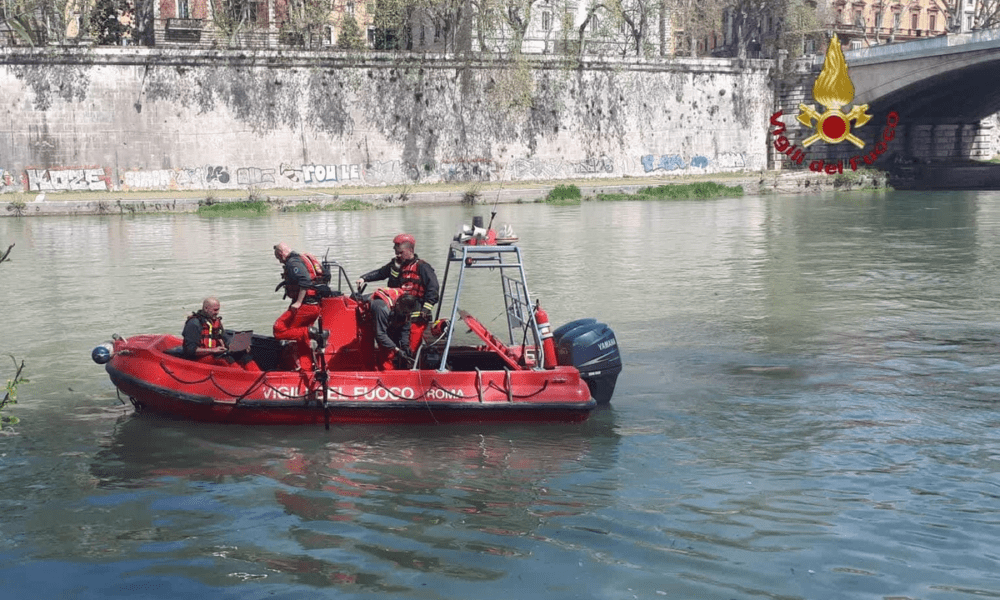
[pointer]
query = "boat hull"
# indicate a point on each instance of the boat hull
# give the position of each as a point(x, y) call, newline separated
point(157, 381)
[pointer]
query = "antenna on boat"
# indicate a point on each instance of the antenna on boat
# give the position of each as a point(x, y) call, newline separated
point(493, 213)
point(322, 375)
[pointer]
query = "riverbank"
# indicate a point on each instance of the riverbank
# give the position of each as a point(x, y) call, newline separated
point(351, 198)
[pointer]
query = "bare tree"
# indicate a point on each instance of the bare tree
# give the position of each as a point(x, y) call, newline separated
point(446, 19)
point(631, 23)
point(698, 19)
point(987, 14)
point(304, 20)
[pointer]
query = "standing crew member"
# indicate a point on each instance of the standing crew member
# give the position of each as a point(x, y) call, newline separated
point(302, 272)
point(414, 276)
point(205, 338)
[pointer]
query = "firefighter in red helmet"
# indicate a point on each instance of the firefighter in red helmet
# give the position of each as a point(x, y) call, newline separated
point(416, 277)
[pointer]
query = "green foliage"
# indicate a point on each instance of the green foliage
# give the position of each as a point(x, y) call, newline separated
point(390, 19)
point(341, 205)
point(564, 194)
point(302, 207)
point(471, 196)
point(230, 17)
point(107, 28)
point(241, 207)
point(10, 398)
point(680, 191)
point(350, 37)
point(348, 205)
point(862, 179)
point(304, 21)
point(17, 206)
point(34, 22)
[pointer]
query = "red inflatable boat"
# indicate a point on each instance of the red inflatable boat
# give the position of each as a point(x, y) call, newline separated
point(532, 375)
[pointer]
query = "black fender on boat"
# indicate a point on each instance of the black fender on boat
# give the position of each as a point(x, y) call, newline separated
point(591, 347)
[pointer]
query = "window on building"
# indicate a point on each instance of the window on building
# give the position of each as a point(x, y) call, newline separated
point(859, 20)
point(897, 20)
point(968, 22)
point(594, 23)
point(914, 21)
point(349, 8)
point(248, 11)
point(546, 20)
point(932, 22)
point(183, 9)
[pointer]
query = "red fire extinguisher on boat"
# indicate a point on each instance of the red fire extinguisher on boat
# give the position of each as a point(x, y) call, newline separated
point(548, 345)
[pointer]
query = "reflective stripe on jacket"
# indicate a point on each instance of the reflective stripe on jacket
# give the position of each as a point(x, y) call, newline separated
point(211, 331)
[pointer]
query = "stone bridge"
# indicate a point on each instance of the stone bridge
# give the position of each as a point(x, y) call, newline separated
point(946, 91)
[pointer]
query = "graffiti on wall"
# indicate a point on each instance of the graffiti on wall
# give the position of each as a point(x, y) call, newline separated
point(9, 181)
point(391, 172)
point(674, 162)
point(545, 168)
point(468, 169)
point(254, 176)
point(66, 180)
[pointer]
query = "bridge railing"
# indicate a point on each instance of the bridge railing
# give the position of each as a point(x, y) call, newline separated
point(923, 46)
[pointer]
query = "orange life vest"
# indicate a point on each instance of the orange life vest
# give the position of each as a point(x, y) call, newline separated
point(389, 295)
point(314, 266)
point(409, 279)
point(315, 269)
point(211, 331)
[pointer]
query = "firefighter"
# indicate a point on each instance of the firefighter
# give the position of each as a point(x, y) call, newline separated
point(391, 308)
point(301, 276)
point(205, 338)
point(414, 276)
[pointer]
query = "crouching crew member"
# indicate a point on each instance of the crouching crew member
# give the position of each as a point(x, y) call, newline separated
point(205, 338)
point(392, 308)
point(414, 276)
point(301, 275)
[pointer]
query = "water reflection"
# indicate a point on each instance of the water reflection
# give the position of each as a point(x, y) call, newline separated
point(354, 502)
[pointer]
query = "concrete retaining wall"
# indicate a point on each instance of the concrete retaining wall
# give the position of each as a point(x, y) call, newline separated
point(126, 119)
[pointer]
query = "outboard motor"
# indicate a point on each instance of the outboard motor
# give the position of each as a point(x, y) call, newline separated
point(591, 347)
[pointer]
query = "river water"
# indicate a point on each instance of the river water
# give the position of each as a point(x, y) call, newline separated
point(808, 409)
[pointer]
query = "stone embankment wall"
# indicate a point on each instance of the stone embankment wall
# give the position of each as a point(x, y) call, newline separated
point(122, 119)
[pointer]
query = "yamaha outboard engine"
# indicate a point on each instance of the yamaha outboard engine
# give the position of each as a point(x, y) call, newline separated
point(591, 347)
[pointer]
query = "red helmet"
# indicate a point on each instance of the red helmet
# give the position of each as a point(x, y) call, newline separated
point(404, 238)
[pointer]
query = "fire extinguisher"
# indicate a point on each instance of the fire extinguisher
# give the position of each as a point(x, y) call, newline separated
point(548, 345)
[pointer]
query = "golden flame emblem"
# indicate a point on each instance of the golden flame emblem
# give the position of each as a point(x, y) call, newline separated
point(833, 89)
